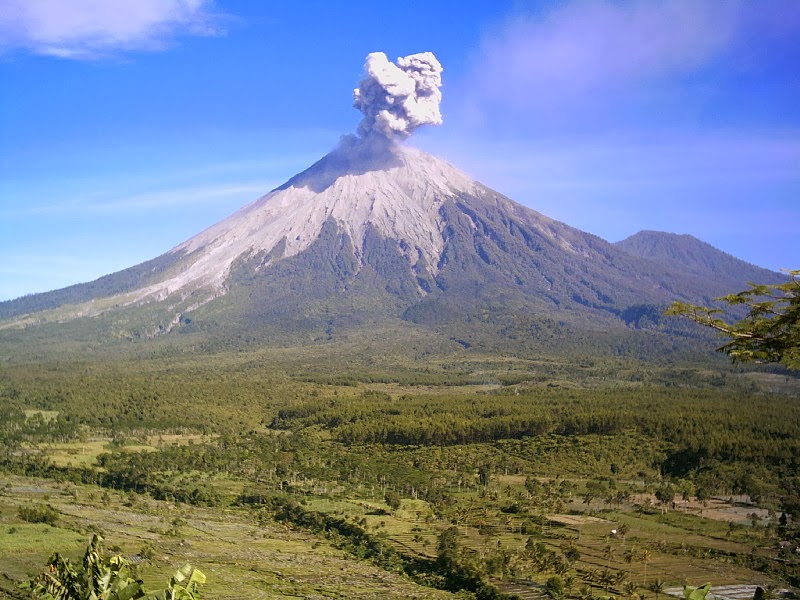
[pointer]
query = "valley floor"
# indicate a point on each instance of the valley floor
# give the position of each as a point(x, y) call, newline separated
point(480, 478)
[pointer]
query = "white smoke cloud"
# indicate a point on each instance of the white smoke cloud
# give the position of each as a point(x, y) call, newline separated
point(398, 98)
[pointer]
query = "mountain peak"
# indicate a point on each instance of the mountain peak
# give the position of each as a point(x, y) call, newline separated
point(376, 158)
point(362, 183)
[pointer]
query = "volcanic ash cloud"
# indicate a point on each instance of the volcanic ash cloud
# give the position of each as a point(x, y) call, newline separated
point(398, 98)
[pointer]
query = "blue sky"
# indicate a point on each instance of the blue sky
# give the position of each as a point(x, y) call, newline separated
point(127, 126)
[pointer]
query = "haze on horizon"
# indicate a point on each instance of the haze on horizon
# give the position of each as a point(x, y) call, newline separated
point(129, 127)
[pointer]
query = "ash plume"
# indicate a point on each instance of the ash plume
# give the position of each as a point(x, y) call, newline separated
point(398, 98)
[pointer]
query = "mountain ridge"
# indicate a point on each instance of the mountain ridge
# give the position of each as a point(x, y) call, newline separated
point(376, 230)
point(691, 253)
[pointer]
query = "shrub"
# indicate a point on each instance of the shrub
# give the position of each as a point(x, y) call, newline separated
point(39, 513)
point(392, 499)
point(555, 587)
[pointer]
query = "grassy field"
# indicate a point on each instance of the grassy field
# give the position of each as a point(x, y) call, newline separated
point(242, 558)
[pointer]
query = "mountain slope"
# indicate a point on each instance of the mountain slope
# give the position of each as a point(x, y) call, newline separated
point(377, 232)
point(113, 284)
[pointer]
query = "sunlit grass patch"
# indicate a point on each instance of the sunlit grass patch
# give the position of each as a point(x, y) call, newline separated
point(76, 454)
point(84, 454)
point(46, 415)
point(37, 537)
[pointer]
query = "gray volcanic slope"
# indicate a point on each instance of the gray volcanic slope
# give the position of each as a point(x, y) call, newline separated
point(376, 230)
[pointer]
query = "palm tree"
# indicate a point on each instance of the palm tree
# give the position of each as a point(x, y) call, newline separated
point(608, 553)
point(622, 531)
point(628, 557)
point(606, 578)
point(645, 558)
point(657, 587)
point(572, 554)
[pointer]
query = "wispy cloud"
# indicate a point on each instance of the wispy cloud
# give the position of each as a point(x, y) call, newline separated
point(590, 60)
point(588, 47)
point(130, 204)
point(90, 29)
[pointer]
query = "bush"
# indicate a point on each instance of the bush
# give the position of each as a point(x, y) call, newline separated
point(39, 513)
point(392, 499)
point(555, 587)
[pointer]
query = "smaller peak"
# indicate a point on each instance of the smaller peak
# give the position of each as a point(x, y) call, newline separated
point(654, 234)
point(692, 254)
point(662, 243)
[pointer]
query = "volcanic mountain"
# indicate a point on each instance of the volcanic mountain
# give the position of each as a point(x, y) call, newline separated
point(378, 231)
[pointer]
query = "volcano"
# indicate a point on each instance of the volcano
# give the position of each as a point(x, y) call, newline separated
point(379, 231)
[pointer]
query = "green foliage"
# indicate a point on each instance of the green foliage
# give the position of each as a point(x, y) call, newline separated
point(447, 546)
point(446, 572)
point(771, 330)
point(102, 577)
point(721, 440)
point(696, 593)
point(38, 513)
point(554, 586)
point(665, 494)
point(392, 499)
point(183, 585)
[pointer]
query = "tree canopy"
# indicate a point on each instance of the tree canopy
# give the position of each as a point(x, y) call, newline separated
point(771, 330)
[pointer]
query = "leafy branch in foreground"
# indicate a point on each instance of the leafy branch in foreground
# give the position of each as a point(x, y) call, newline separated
point(696, 593)
point(769, 333)
point(108, 578)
